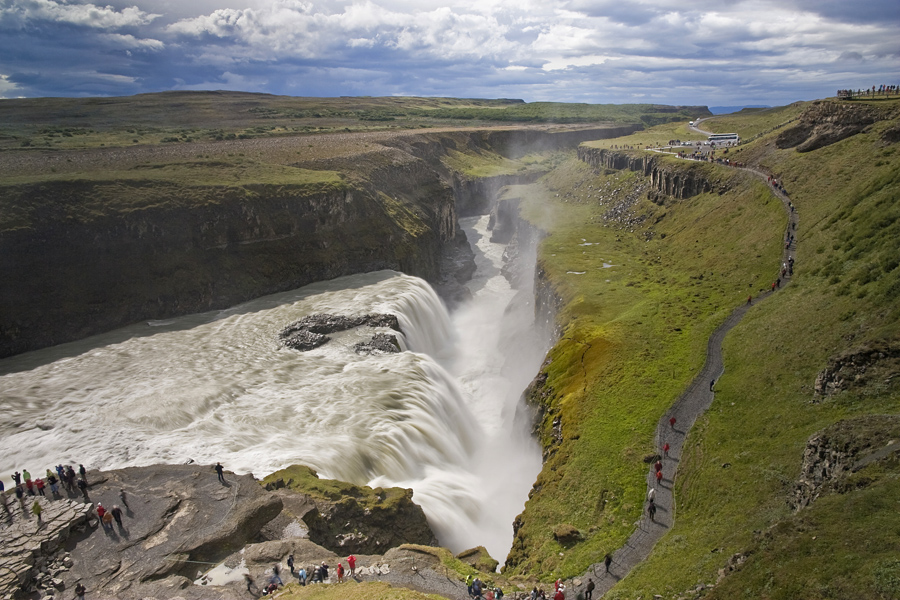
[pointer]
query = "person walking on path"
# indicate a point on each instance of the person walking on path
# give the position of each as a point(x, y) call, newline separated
point(117, 514)
point(340, 572)
point(107, 521)
point(658, 466)
point(651, 510)
point(589, 590)
point(124, 498)
point(80, 590)
point(249, 581)
point(651, 495)
point(666, 450)
point(276, 574)
point(659, 477)
point(36, 509)
point(220, 472)
point(672, 423)
point(290, 563)
point(351, 563)
point(39, 484)
point(83, 472)
point(607, 561)
point(301, 575)
point(20, 494)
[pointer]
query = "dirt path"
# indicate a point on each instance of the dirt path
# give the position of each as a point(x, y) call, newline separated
point(686, 410)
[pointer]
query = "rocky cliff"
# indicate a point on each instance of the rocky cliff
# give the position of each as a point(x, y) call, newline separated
point(665, 178)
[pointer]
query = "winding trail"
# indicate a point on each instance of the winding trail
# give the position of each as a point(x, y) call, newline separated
point(692, 403)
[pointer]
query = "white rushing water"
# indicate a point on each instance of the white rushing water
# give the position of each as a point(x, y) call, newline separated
point(439, 418)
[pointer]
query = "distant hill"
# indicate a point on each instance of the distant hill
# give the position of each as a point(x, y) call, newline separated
point(724, 110)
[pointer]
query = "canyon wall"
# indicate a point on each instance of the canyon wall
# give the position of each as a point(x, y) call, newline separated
point(69, 271)
point(681, 182)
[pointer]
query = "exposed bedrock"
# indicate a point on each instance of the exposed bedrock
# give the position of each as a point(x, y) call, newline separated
point(665, 179)
point(824, 123)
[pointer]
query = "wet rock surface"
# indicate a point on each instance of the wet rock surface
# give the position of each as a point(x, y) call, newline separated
point(311, 331)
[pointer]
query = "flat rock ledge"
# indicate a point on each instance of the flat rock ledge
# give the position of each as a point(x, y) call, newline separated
point(25, 545)
point(312, 331)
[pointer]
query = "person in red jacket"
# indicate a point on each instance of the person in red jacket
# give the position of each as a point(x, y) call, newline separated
point(351, 563)
point(340, 572)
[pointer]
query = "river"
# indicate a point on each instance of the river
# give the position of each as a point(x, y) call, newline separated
point(442, 417)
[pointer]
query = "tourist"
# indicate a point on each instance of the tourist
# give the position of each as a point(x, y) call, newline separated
point(39, 484)
point(29, 485)
point(220, 470)
point(340, 572)
point(672, 422)
point(658, 466)
point(20, 494)
point(17, 477)
point(83, 486)
point(589, 590)
point(290, 563)
point(658, 477)
point(651, 510)
point(37, 510)
point(301, 575)
point(651, 495)
point(323, 571)
point(249, 581)
point(276, 574)
point(124, 498)
point(107, 521)
point(607, 561)
point(117, 514)
point(351, 563)
point(54, 484)
point(83, 472)
point(80, 591)
point(666, 450)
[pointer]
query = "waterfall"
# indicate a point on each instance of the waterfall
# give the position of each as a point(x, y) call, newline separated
point(219, 387)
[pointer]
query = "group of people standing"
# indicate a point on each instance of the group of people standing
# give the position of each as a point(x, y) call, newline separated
point(26, 486)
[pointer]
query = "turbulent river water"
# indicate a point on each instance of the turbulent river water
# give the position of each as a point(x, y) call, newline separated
point(443, 417)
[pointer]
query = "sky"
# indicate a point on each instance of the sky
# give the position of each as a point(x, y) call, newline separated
point(687, 52)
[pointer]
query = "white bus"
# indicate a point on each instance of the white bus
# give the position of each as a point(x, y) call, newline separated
point(724, 138)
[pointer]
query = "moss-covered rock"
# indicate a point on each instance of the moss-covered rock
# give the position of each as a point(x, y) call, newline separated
point(348, 518)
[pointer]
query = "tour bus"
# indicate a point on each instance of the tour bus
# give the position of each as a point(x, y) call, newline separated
point(724, 138)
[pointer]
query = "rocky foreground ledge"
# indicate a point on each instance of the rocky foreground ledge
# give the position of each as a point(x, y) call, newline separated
point(180, 523)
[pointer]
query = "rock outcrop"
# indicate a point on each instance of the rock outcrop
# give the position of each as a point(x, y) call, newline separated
point(311, 331)
point(681, 182)
point(835, 457)
point(347, 518)
point(876, 364)
point(823, 123)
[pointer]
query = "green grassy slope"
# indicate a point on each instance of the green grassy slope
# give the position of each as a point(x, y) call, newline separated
point(620, 363)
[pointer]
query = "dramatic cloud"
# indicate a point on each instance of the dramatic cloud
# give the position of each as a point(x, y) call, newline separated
point(704, 51)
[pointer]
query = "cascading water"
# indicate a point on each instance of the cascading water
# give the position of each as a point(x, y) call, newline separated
point(438, 418)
